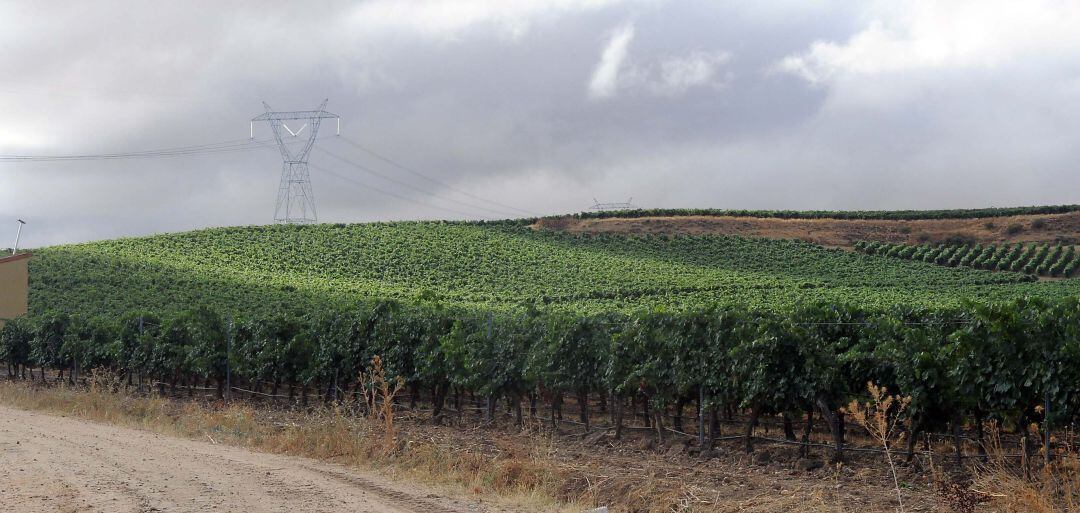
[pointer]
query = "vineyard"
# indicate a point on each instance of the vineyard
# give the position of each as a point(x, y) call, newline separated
point(1041, 259)
point(486, 267)
point(512, 315)
point(1006, 362)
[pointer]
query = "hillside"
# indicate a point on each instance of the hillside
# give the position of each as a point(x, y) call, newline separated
point(843, 229)
point(505, 266)
point(514, 315)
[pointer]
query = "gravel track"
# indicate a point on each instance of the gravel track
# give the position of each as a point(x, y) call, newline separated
point(53, 463)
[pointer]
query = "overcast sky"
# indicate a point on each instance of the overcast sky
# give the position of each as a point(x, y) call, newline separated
point(540, 106)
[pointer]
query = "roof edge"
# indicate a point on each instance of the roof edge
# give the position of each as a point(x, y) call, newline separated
point(13, 258)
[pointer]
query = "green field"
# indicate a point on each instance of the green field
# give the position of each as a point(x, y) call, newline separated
point(1043, 259)
point(494, 266)
point(503, 311)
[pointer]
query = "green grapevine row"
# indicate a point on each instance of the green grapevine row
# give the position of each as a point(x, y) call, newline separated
point(1002, 361)
point(1041, 259)
point(258, 270)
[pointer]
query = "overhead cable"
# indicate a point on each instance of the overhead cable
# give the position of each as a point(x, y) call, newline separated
point(393, 194)
point(426, 192)
point(435, 181)
point(201, 149)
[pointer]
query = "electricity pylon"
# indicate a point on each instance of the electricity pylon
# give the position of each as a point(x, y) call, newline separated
point(295, 201)
point(608, 207)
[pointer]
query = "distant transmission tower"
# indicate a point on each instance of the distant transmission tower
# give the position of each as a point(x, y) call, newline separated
point(609, 207)
point(295, 201)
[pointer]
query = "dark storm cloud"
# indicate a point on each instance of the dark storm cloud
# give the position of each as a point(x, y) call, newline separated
point(541, 105)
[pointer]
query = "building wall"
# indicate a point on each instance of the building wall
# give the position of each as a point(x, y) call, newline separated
point(14, 286)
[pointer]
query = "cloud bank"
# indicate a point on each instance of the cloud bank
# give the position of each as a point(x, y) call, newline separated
point(536, 106)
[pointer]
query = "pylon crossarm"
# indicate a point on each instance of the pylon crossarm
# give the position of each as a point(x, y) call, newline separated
point(299, 114)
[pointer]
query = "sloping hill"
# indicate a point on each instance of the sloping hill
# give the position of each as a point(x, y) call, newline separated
point(844, 230)
point(495, 266)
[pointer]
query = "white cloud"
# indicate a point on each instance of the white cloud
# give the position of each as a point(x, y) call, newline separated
point(444, 19)
point(670, 76)
point(605, 78)
point(937, 104)
point(681, 73)
point(933, 35)
point(19, 140)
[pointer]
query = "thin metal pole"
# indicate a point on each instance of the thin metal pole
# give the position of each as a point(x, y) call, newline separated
point(140, 344)
point(1046, 413)
point(17, 236)
point(1046, 428)
point(228, 358)
point(701, 417)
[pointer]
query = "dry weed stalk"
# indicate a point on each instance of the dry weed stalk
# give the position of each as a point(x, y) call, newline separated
point(105, 380)
point(379, 395)
point(880, 418)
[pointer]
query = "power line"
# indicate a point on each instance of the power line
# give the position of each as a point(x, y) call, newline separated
point(413, 187)
point(393, 194)
point(384, 191)
point(424, 176)
point(248, 144)
point(236, 145)
point(200, 149)
point(410, 186)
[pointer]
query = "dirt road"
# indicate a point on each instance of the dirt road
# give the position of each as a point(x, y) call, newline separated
point(51, 463)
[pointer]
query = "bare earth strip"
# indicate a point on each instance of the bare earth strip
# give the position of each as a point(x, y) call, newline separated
point(839, 232)
point(51, 463)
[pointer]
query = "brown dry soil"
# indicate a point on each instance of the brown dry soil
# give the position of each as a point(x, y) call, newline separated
point(633, 475)
point(57, 463)
point(843, 233)
point(52, 463)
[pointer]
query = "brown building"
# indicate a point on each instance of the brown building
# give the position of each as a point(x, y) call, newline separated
point(14, 285)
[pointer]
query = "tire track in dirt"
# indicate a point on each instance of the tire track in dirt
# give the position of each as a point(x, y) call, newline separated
point(72, 488)
point(52, 463)
point(398, 497)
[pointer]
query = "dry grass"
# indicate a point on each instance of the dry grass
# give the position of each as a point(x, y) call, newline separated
point(334, 433)
point(1053, 488)
point(536, 471)
point(531, 469)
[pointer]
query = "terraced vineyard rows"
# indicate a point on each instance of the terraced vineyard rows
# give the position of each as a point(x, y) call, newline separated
point(1043, 259)
point(482, 266)
point(505, 312)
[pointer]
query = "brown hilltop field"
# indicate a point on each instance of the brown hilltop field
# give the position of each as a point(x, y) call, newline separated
point(842, 233)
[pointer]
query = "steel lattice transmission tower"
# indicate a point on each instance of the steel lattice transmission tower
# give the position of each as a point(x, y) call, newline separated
point(295, 201)
point(613, 207)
